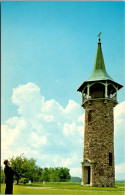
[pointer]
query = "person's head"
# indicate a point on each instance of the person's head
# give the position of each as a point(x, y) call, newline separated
point(6, 162)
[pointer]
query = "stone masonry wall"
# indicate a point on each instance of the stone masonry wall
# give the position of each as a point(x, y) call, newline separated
point(99, 141)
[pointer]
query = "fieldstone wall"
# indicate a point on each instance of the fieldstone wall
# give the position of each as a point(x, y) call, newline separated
point(99, 142)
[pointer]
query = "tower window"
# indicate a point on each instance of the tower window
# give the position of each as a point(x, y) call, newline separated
point(89, 115)
point(110, 159)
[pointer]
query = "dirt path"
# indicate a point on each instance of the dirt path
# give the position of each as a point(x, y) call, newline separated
point(40, 187)
point(52, 188)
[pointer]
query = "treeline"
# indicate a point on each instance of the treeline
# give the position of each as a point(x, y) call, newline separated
point(27, 169)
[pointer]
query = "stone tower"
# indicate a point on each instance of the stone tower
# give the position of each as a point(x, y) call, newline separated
point(99, 96)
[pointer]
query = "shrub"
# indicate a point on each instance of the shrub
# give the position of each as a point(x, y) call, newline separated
point(24, 180)
point(2, 176)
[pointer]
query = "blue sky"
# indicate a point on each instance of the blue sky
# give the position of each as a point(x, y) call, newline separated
point(50, 48)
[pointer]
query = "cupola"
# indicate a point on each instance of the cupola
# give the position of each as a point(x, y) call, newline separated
point(99, 85)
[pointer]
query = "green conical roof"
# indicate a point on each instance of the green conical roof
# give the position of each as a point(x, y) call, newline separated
point(99, 71)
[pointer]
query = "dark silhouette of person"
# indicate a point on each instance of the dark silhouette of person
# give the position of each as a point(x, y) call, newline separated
point(9, 173)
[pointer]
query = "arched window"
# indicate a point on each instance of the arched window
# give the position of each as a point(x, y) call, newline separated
point(97, 90)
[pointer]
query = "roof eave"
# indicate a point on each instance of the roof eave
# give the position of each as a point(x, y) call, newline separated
point(85, 83)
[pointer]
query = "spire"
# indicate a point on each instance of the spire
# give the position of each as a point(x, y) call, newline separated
point(99, 62)
point(99, 71)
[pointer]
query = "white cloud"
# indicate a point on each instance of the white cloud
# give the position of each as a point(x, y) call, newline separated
point(61, 162)
point(11, 131)
point(49, 132)
point(69, 129)
point(28, 99)
point(119, 132)
point(120, 171)
point(120, 168)
point(119, 116)
point(25, 93)
point(119, 111)
point(76, 171)
point(37, 140)
point(81, 118)
point(44, 127)
point(47, 118)
point(72, 107)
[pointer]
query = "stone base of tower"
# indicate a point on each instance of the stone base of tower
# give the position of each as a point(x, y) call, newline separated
point(98, 160)
point(94, 175)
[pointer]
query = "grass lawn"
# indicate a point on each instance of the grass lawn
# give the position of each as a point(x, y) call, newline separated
point(63, 188)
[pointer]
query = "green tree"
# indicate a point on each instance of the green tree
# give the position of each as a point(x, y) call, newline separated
point(64, 174)
point(25, 168)
point(45, 174)
point(38, 177)
point(28, 170)
point(16, 165)
point(56, 174)
point(2, 175)
point(53, 175)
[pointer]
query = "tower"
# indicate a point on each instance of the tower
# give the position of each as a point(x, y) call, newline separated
point(99, 96)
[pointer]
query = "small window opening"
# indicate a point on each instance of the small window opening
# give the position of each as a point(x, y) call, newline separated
point(90, 116)
point(110, 159)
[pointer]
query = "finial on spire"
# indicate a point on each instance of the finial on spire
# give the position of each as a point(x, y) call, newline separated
point(99, 36)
